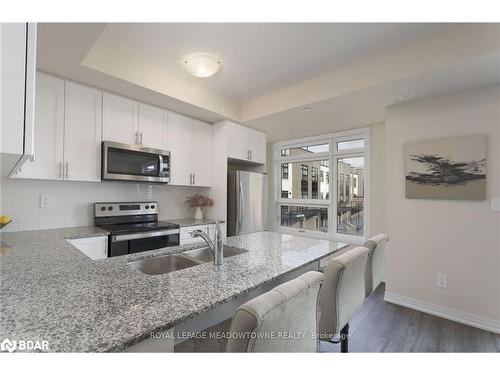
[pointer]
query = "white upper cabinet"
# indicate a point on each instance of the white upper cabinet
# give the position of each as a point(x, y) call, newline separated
point(120, 119)
point(238, 136)
point(68, 125)
point(127, 121)
point(17, 97)
point(49, 130)
point(152, 127)
point(190, 146)
point(181, 149)
point(257, 146)
point(82, 133)
point(202, 153)
point(72, 120)
point(246, 143)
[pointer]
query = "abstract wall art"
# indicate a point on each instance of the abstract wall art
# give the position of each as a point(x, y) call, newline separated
point(448, 168)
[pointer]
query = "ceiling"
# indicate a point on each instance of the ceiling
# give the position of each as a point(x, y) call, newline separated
point(347, 73)
point(367, 107)
point(260, 58)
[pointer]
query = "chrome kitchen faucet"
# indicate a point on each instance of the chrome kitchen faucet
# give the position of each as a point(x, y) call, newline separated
point(216, 245)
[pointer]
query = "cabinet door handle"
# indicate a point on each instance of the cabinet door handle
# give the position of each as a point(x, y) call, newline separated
point(61, 169)
point(194, 179)
point(141, 138)
point(190, 179)
point(67, 169)
point(250, 154)
point(136, 137)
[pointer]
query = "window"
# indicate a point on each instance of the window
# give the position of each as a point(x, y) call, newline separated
point(350, 199)
point(304, 183)
point(300, 180)
point(303, 217)
point(306, 150)
point(341, 187)
point(314, 174)
point(304, 171)
point(314, 182)
point(355, 143)
point(303, 198)
point(284, 171)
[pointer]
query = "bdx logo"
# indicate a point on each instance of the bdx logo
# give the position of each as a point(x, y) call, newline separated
point(8, 345)
point(22, 345)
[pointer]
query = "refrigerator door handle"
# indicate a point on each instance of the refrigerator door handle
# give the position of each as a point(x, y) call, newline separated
point(240, 208)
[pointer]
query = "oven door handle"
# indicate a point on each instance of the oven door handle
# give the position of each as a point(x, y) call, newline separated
point(135, 236)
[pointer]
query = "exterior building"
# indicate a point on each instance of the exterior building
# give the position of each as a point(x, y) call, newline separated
point(311, 180)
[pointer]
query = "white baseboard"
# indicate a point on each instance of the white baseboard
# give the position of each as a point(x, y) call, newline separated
point(445, 312)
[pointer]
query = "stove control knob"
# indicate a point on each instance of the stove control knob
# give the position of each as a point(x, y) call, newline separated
point(103, 208)
point(147, 207)
point(152, 206)
point(110, 208)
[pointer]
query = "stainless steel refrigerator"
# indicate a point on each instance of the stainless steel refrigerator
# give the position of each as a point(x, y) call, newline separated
point(246, 202)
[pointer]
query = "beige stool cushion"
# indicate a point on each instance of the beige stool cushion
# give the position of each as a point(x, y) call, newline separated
point(375, 265)
point(267, 322)
point(343, 291)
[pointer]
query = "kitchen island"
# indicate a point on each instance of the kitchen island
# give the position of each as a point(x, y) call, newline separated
point(51, 291)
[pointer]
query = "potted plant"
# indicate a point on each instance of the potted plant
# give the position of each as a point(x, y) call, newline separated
point(200, 202)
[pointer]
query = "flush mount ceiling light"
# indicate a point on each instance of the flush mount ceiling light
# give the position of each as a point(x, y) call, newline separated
point(406, 96)
point(202, 65)
point(306, 109)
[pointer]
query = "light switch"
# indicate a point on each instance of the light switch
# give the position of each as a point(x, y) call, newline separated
point(495, 204)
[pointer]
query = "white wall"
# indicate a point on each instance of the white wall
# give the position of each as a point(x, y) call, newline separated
point(457, 238)
point(72, 202)
point(377, 180)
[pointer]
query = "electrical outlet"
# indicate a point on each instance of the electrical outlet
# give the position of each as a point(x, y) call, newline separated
point(495, 204)
point(45, 201)
point(442, 280)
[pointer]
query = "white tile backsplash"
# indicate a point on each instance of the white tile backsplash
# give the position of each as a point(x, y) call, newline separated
point(72, 202)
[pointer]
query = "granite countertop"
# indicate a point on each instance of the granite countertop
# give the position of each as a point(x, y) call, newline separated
point(192, 222)
point(51, 291)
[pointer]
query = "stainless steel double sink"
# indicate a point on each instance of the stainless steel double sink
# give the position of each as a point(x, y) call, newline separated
point(173, 262)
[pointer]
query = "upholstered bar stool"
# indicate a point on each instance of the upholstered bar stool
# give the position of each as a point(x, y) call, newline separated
point(281, 320)
point(375, 264)
point(342, 293)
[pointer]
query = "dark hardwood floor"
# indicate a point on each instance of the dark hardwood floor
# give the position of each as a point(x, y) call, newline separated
point(384, 327)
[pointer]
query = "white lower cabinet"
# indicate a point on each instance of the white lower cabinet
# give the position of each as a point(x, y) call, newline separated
point(186, 238)
point(93, 247)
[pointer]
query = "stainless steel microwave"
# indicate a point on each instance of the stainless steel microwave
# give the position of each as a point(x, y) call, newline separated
point(125, 162)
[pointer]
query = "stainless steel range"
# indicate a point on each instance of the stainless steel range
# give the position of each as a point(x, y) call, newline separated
point(134, 227)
